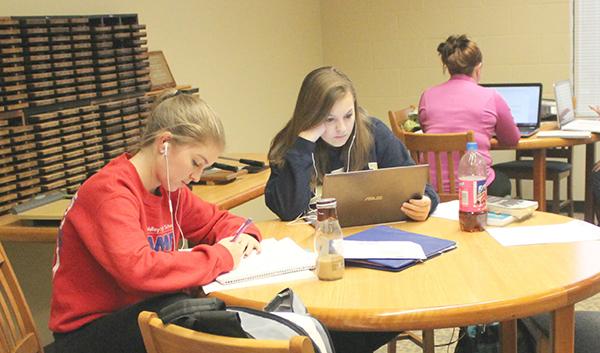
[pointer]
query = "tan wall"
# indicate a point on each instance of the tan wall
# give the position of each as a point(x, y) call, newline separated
point(388, 47)
point(247, 57)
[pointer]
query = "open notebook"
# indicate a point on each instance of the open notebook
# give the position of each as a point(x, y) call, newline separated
point(277, 257)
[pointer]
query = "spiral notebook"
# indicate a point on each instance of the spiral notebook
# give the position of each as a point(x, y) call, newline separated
point(277, 257)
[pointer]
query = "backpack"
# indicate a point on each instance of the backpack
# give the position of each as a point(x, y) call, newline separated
point(284, 317)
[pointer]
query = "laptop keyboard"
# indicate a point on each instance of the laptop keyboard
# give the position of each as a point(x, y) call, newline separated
point(527, 130)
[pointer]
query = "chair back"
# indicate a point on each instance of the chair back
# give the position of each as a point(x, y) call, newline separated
point(441, 152)
point(397, 118)
point(17, 329)
point(161, 338)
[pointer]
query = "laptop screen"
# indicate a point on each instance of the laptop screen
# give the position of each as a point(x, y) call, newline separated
point(564, 102)
point(524, 100)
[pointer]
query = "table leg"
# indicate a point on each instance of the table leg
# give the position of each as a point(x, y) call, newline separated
point(428, 341)
point(539, 178)
point(590, 157)
point(562, 333)
point(508, 336)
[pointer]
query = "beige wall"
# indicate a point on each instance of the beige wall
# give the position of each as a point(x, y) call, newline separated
point(388, 47)
point(247, 57)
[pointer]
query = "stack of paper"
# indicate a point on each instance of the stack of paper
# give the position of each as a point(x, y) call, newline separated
point(565, 134)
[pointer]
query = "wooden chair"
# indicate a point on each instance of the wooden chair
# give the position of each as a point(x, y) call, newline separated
point(424, 146)
point(161, 338)
point(397, 118)
point(18, 333)
point(556, 170)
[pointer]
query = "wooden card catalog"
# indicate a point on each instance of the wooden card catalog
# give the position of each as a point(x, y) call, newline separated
point(160, 74)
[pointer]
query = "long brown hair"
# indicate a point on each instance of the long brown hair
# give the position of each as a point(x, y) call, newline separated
point(459, 54)
point(320, 90)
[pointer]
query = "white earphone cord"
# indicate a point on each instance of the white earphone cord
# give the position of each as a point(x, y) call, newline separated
point(173, 218)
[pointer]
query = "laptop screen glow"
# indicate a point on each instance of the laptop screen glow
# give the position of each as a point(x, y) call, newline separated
point(523, 99)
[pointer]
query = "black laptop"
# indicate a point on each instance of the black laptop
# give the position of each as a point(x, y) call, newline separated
point(524, 100)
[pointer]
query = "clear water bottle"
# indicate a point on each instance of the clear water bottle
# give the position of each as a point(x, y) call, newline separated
point(329, 241)
point(472, 192)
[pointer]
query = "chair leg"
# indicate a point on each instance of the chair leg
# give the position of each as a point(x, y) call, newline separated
point(556, 195)
point(391, 346)
point(570, 194)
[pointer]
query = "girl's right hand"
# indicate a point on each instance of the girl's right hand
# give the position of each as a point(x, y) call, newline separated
point(314, 133)
point(236, 250)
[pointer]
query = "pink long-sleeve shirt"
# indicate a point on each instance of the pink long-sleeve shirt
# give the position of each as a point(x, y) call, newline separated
point(459, 105)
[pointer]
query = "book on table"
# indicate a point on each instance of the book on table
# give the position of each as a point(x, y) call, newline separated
point(499, 219)
point(432, 246)
point(276, 258)
point(518, 208)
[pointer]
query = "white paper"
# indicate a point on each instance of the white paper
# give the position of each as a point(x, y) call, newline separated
point(572, 231)
point(447, 210)
point(364, 249)
point(288, 277)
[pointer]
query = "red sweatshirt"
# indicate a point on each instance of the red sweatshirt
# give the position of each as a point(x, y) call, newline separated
point(116, 246)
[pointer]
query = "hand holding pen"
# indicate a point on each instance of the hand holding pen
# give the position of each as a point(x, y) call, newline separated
point(240, 244)
point(241, 229)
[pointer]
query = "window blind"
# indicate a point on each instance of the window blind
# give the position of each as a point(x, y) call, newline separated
point(586, 54)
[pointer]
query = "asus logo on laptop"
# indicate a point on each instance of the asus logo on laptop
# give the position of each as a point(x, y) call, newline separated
point(373, 198)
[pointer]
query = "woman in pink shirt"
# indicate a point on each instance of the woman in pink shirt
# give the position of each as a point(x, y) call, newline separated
point(460, 104)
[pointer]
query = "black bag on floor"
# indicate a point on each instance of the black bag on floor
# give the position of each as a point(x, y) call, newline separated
point(284, 317)
point(486, 339)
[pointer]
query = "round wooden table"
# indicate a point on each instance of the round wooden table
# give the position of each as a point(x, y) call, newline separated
point(479, 282)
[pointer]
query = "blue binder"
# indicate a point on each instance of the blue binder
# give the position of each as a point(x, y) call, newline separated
point(431, 247)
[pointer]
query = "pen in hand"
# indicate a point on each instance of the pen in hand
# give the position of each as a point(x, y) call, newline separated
point(241, 229)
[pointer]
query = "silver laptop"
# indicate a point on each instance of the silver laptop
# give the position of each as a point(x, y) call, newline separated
point(524, 100)
point(375, 196)
point(565, 112)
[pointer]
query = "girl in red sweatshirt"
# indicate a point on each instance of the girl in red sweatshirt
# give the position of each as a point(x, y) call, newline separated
point(117, 252)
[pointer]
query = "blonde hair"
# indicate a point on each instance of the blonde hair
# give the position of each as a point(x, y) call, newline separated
point(187, 117)
point(459, 54)
point(320, 90)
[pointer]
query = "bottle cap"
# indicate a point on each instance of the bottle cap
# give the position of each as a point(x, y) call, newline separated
point(327, 203)
point(471, 146)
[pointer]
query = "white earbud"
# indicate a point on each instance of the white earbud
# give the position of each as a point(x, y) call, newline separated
point(165, 149)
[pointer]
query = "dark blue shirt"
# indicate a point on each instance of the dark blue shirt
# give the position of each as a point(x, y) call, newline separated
point(288, 190)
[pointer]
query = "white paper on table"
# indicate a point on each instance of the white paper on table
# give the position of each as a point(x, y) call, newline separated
point(287, 277)
point(447, 210)
point(572, 231)
point(364, 249)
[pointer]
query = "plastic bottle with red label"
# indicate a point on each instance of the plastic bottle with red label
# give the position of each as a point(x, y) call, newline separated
point(472, 192)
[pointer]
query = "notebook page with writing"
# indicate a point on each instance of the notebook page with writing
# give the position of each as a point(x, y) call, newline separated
point(277, 257)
